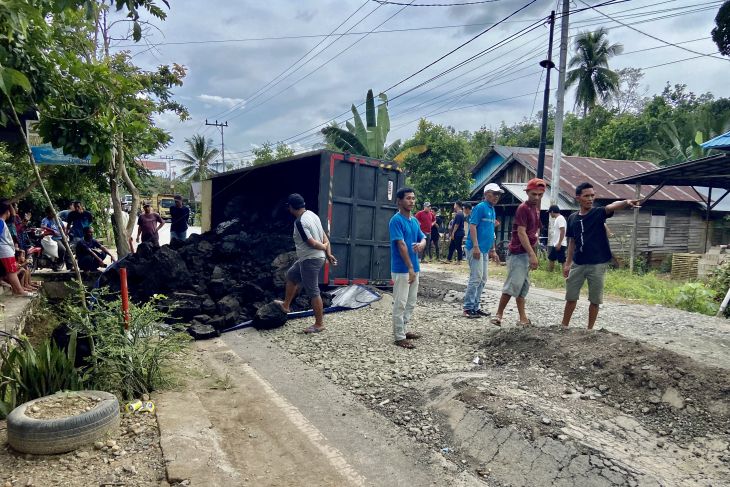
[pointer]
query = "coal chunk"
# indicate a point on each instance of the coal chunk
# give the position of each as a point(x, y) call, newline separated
point(269, 316)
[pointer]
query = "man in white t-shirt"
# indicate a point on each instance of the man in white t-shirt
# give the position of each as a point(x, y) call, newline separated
point(556, 249)
point(313, 248)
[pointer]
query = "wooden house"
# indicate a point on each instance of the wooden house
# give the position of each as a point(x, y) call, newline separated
point(671, 221)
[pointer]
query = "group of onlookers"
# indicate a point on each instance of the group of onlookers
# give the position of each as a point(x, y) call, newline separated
point(14, 270)
point(584, 258)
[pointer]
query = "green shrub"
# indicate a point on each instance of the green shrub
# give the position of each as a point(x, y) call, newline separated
point(27, 373)
point(131, 362)
point(694, 296)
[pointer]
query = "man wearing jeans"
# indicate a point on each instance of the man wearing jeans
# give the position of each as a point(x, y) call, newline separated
point(522, 257)
point(313, 248)
point(426, 220)
point(406, 242)
point(179, 216)
point(588, 251)
point(480, 245)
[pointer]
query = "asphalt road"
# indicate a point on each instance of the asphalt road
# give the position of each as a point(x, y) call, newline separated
point(165, 233)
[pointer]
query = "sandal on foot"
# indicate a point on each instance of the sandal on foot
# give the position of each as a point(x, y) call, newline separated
point(497, 321)
point(405, 344)
point(313, 329)
point(524, 323)
point(412, 336)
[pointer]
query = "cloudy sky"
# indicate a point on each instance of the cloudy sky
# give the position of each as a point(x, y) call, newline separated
point(278, 70)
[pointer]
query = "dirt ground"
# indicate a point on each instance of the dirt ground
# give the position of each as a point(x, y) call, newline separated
point(617, 406)
point(132, 458)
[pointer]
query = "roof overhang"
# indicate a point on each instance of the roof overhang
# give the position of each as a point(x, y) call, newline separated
point(712, 171)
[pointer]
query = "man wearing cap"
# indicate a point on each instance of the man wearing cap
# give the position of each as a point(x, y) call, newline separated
point(479, 247)
point(556, 249)
point(148, 226)
point(588, 251)
point(426, 220)
point(521, 256)
point(179, 216)
point(313, 248)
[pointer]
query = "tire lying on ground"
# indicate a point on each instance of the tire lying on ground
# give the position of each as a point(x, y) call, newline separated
point(60, 435)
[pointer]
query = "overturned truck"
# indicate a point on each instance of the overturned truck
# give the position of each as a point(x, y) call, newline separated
point(225, 275)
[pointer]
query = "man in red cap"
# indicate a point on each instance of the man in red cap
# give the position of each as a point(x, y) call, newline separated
point(522, 257)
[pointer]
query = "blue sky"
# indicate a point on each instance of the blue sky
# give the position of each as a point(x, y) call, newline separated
point(225, 77)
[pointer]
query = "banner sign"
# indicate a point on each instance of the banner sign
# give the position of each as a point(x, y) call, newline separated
point(45, 154)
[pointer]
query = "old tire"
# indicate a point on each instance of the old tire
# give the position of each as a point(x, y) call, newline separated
point(48, 436)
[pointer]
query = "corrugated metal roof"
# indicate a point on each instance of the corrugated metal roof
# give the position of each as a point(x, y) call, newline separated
point(721, 142)
point(153, 165)
point(518, 190)
point(598, 171)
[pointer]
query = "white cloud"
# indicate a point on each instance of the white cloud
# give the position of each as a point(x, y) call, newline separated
point(220, 100)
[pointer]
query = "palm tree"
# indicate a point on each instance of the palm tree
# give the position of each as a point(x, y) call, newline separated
point(197, 160)
point(590, 71)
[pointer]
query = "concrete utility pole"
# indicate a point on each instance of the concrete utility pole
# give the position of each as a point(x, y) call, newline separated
point(560, 105)
point(169, 160)
point(549, 65)
point(223, 147)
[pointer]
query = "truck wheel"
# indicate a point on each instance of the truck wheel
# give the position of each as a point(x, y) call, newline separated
point(49, 436)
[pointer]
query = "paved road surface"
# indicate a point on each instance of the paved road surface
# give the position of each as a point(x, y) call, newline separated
point(165, 233)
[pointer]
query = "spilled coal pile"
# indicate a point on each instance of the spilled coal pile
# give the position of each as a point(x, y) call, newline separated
point(218, 279)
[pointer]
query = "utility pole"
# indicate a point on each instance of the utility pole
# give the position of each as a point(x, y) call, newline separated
point(223, 147)
point(549, 65)
point(169, 165)
point(560, 105)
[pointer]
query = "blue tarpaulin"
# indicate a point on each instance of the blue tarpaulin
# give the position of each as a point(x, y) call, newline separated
point(721, 142)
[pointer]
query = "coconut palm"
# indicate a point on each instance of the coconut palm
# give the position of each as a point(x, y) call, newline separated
point(196, 161)
point(589, 69)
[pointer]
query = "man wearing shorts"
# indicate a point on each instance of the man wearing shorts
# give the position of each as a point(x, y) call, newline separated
point(521, 257)
point(8, 264)
point(313, 248)
point(588, 251)
point(556, 249)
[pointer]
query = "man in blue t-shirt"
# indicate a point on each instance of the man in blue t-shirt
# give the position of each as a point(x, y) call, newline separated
point(479, 246)
point(406, 242)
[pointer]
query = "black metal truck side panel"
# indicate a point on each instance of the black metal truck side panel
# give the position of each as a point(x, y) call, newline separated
point(354, 197)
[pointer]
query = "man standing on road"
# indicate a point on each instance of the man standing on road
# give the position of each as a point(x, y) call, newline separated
point(426, 220)
point(588, 251)
point(521, 257)
point(179, 216)
point(480, 246)
point(148, 226)
point(456, 236)
point(313, 248)
point(556, 249)
point(407, 240)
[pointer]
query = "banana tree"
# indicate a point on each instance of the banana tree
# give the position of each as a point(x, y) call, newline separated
point(366, 139)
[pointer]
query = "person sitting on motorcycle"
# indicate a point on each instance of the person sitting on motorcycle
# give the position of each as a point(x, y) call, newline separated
point(90, 254)
point(50, 225)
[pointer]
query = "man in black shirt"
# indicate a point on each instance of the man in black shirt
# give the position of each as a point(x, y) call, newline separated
point(179, 216)
point(456, 233)
point(588, 251)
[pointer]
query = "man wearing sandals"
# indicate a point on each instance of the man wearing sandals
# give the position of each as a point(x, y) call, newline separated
point(479, 247)
point(313, 248)
point(407, 241)
point(521, 257)
point(588, 251)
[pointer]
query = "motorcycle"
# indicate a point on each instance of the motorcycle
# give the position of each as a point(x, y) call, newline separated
point(43, 251)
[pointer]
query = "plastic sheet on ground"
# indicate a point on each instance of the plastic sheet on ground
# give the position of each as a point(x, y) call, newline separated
point(345, 298)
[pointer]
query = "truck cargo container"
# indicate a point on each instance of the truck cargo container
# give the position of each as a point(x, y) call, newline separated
point(354, 197)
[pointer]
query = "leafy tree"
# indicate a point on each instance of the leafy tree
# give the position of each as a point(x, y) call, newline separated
point(721, 32)
point(365, 139)
point(629, 97)
point(578, 133)
point(268, 152)
point(623, 137)
point(441, 173)
point(589, 69)
point(197, 160)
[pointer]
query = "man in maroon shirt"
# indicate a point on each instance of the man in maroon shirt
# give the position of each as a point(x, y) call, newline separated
point(522, 257)
point(426, 219)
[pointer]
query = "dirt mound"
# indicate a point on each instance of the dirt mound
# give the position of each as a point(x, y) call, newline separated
point(216, 279)
point(668, 392)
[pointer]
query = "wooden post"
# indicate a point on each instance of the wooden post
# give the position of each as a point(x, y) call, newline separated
point(707, 217)
point(634, 230)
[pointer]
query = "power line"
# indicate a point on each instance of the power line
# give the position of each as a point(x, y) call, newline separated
point(264, 88)
point(653, 36)
point(461, 4)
